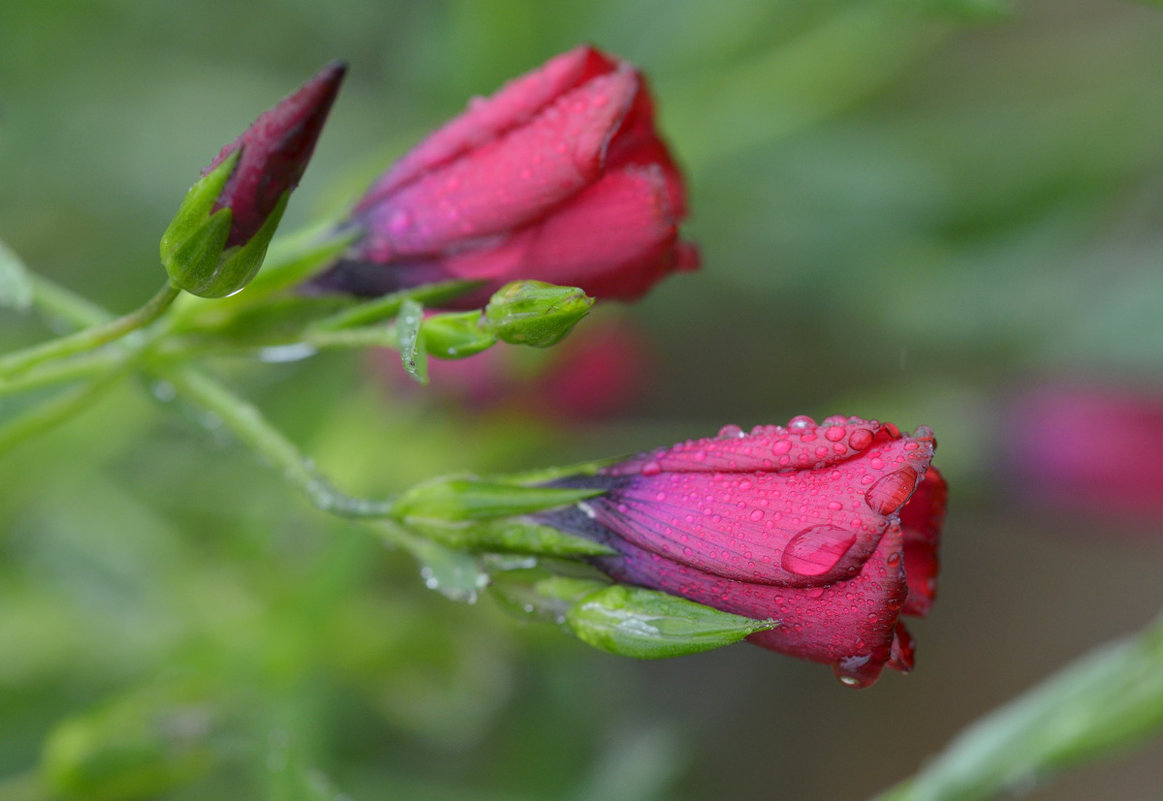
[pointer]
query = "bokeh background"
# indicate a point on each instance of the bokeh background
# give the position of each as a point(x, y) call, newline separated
point(927, 212)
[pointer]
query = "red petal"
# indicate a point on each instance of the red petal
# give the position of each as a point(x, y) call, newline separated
point(802, 444)
point(507, 182)
point(487, 118)
point(608, 240)
point(921, 520)
point(850, 624)
point(903, 649)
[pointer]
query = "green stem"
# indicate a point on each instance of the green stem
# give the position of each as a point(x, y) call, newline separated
point(57, 301)
point(46, 415)
point(60, 372)
point(92, 337)
point(248, 424)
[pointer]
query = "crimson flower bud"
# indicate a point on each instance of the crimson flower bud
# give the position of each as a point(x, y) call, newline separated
point(560, 176)
point(831, 530)
point(218, 239)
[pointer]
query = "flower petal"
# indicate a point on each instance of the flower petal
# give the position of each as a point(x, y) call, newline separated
point(800, 445)
point(486, 119)
point(508, 182)
point(921, 520)
point(850, 624)
point(628, 207)
point(798, 529)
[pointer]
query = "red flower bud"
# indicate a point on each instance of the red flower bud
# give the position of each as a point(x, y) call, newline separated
point(275, 150)
point(560, 177)
point(829, 529)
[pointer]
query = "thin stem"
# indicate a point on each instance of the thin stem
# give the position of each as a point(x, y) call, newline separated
point(55, 300)
point(61, 372)
point(92, 337)
point(46, 415)
point(248, 424)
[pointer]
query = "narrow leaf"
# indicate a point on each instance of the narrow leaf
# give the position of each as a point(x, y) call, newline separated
point(15, 288)
point(412, 354)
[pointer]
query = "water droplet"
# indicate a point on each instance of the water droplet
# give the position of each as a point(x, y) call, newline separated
point(890, 492)
point(731, 432)
point(800, 422)
point(816, 550)
point(860, 439)
point(756, 515)
point(164, 391)
point(781, 446)
point(651, 469)
point(834, 433)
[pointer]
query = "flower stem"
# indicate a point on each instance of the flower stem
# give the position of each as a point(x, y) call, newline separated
point(91, 337)
point(248, 424)
point(45, 415)
point(64, 371)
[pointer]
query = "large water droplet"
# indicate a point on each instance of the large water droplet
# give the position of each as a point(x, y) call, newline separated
point(890, 492)
point(816, 550)
point(651, 469)
point(731, 432)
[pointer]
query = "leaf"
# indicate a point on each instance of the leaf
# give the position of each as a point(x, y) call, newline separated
point(15, 288)
point(412, 354)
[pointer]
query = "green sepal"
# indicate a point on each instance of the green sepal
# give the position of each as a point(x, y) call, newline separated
point(238, 265)
point(456, 335)
point(535, 313)
point(646, 624)
point(547, 599)
point(412, 353)
point(458, 499)
point(506, 536)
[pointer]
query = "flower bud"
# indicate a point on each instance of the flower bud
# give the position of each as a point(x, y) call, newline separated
point(535, 313)
point(646, 624)
point(218, 239)
point(456, 335)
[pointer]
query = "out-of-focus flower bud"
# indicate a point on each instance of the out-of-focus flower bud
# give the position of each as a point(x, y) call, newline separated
point(535, 313)
point(455, 335)
point(1089, 449)
point(645, 624)
point(829, 529)
point(559, 176)
point(218, 239)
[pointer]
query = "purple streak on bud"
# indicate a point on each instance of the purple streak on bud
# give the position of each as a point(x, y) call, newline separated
point(275, 152)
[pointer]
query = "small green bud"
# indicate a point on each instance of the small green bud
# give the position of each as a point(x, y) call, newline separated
point(535, 313)
point(455, 336)
point(646, 624)
point(457, 499)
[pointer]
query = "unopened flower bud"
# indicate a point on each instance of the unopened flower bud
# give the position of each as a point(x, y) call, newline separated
point(535, 313)
point(218, 239)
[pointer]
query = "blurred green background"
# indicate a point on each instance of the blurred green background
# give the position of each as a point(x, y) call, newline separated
point(907, 210)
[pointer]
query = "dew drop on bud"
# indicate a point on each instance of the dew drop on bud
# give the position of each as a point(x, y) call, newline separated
point(731, 432)
point(800, 422)
point(834, 433)
point(816, 550)
point(890, 492)
point(651, 469)
point(860, 439)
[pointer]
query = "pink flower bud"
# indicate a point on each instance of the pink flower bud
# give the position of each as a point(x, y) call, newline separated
point(274, 153)
point(829, 529)
point(559, 177)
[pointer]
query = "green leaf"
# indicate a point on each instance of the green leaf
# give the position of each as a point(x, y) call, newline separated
point(412, 354)
point(1110, 699)
point(15, 288)
point(646, 624)
point(454, 574)
point(456, 499)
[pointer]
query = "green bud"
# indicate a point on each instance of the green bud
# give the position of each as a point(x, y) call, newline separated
point(455, 336)
point(535, 313)
point(457, 499)
point(507, 536)
point(140, 746)
point(646, 624)
point(194, 250)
